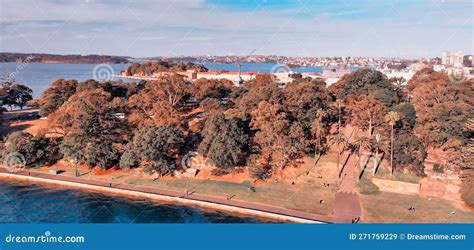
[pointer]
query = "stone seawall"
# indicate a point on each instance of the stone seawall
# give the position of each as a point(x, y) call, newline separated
point(166, 198)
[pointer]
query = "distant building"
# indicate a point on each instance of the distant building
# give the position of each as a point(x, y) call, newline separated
point(334, 72)
point(467, 62)
point(452, 59)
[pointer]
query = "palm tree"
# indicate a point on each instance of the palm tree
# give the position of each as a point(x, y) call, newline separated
point(318, 129)
point(362, 142)
point(379, 145)
point(339, 104)
point(339, 139)
point(392, 118)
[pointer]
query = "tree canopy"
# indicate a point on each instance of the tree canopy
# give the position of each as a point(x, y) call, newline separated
point(224, 142)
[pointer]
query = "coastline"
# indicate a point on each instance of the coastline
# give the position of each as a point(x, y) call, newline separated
point(196, 200)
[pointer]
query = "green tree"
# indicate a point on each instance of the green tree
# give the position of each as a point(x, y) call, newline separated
point(467, 171)
point(277, 136)
point(366, 112)
point(36, 151)
point(409, 153)
point(362, 143)
point(339, 104)
point(362, 82)
point(156, 147)
point(407, 111)
point(319, 131)
point(248, 101)
point(303, 99)
point(53, 97)
point(339, 139)
point(224, 142)
point(379, 144)
point(392, 118)
point(19, 95)
point(93, 128)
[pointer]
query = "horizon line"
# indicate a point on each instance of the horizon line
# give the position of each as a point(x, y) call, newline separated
point(237, 55)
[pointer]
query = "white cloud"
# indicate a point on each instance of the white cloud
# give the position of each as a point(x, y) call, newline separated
point(150, 28)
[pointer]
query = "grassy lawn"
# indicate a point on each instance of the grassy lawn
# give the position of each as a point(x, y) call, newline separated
point(383, 171)
point(391, 208)
point(300, 196)
point(281, 194)
point(385, 207)
point(307, 191)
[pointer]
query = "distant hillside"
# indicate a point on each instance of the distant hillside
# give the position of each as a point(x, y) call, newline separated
point(50, 58)
point(148, 68)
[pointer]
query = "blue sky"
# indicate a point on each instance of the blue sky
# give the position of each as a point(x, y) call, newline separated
point(398, 28)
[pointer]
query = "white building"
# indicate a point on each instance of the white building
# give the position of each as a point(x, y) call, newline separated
point(452, 59)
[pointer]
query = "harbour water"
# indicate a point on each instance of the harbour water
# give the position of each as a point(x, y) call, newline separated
point(39, 76)
point(25, 202)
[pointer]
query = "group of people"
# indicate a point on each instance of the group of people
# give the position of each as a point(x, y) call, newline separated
point(355, 220)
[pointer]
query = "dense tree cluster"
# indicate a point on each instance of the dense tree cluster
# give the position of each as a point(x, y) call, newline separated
point(444, 111)
point(154, 147)
point(35, 151)
point(93, 128)
point(53, 97)
point(46, 58)
point(224, 142)
point(442, 108)
point(263, 125)
point(380, 106)
point(147, 69)
point(14, 95)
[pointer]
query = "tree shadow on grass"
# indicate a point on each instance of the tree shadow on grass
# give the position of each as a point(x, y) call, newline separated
point(8, 129)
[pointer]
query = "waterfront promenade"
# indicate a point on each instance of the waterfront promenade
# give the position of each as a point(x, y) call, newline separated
point(228, 205)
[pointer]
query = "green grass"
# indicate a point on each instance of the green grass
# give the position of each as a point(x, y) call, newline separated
point(393, 208)
point(383, 172)
point(366, 186)
point(299, 197)
point(407, 177)
point(377, 206)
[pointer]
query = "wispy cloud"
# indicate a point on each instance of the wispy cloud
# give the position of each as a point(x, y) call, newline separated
point(194, 27)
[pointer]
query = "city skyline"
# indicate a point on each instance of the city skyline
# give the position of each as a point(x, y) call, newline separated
point(399, 29)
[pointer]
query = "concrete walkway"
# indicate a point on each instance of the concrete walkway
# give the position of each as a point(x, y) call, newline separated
point(335, 218)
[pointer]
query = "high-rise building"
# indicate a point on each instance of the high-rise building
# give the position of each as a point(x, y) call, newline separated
point(445, 58)
point(452, 59)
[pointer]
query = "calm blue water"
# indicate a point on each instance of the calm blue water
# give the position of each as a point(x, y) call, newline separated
point(25, 202)
point(39, 76)
point(257, 67)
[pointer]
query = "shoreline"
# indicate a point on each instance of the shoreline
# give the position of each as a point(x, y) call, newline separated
point(196, 200)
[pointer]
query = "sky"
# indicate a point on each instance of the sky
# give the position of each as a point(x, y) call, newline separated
point(146, 28)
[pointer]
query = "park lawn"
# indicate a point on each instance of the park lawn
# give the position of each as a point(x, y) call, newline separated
point(280, 194)
point(383, 172)
point(301, 196)
point(385, 207)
